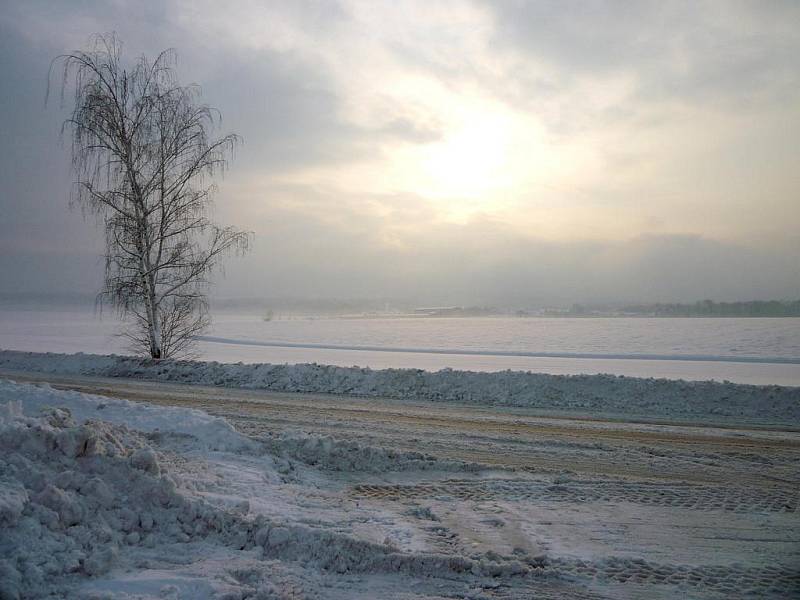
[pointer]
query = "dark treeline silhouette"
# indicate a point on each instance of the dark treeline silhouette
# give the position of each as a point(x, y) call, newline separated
point(709, 308)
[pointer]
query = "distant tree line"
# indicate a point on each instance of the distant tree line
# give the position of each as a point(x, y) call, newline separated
point(709, 308)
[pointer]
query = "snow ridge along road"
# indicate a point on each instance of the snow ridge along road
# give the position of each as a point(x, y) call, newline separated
point(605, 395)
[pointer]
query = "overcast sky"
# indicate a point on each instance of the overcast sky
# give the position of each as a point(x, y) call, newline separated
point(448, 151)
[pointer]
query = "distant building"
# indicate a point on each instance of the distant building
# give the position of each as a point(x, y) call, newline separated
point(438, 311)
point(454, 311)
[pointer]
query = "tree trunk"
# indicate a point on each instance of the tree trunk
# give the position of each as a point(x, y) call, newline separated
point(151, 303)
point(154, 328)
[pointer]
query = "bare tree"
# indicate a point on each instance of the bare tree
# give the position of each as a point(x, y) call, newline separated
point(143, 157)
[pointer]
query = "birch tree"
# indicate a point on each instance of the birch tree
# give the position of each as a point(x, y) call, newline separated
point(144, 158)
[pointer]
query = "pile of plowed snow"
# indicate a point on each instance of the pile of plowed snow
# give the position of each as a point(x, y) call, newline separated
point(212, 433)
point(74, 497)
point(657, 398)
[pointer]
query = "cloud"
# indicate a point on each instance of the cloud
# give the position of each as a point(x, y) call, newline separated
point(457, 151)
point(396, 247)
point(686, 50)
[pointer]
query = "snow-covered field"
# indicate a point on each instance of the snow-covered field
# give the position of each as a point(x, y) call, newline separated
point(426, 493)
point(754, 350)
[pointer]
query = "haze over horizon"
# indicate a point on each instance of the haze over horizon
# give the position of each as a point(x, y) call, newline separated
point(460, 152)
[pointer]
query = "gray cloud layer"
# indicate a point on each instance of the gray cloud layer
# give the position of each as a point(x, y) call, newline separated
point(695, 108)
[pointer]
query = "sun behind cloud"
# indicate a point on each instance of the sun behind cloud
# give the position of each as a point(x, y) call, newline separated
point(470, 161)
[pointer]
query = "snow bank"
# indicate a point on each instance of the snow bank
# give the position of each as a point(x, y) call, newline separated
point(74, 496)
point(656, 398)
point(209, 433)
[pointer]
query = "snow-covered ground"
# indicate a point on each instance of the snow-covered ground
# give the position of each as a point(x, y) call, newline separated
point(325, 497)
point(106, 498)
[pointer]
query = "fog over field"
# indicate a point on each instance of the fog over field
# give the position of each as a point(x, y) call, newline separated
point(460, 152)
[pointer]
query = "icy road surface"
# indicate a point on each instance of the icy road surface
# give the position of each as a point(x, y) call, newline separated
point(341, 497)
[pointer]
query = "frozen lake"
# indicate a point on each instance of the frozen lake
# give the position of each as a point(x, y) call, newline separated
point(740, 350)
